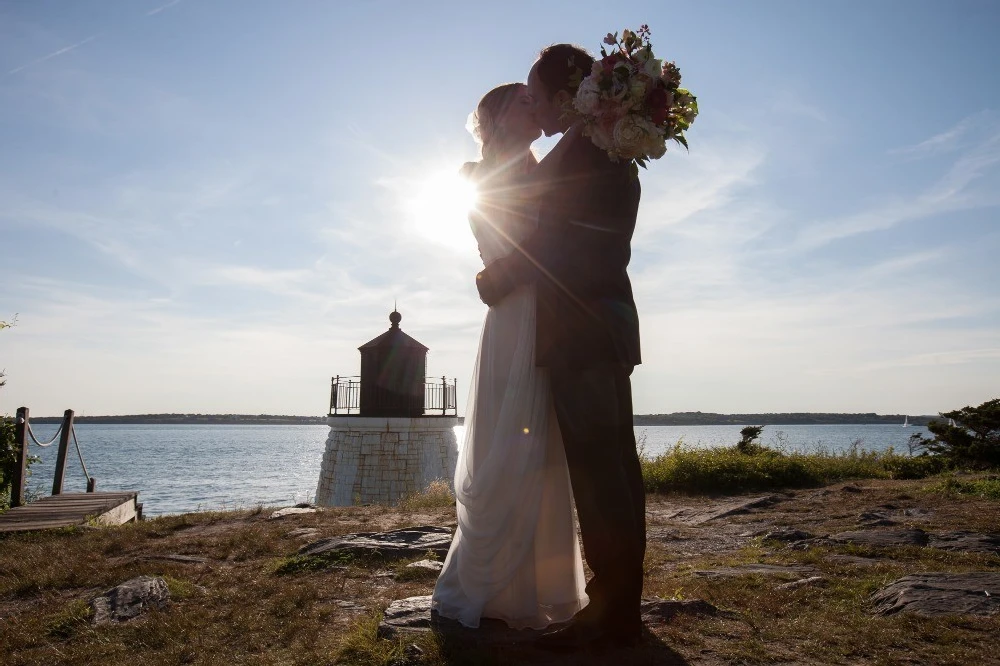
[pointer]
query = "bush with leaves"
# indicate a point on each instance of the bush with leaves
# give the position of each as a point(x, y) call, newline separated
point(971, 436)
point(8, 448)
point(8, 460)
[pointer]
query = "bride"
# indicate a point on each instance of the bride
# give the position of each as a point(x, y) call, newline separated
point(515, 555)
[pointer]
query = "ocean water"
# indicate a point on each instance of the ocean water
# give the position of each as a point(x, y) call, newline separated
point(181, 468)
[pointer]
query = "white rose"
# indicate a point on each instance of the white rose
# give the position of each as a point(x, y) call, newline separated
point(637, 89)
point(601, 138)
point(656, 147)
point(632, 136)
point(588, 97)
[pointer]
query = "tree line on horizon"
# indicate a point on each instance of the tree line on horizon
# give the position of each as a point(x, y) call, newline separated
point(673, 419)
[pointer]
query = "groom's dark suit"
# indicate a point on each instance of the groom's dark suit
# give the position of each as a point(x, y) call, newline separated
point(588, 337)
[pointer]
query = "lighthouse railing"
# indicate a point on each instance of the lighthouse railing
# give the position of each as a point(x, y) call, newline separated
point(440, 396)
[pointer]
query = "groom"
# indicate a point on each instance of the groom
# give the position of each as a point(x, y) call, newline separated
point(588, 337)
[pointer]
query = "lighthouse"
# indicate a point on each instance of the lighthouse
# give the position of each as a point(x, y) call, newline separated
point(392, 428)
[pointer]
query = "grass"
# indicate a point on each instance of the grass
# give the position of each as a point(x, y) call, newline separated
point(257, 601)
point(437, 495)
point(985, 488)
point(728, 470)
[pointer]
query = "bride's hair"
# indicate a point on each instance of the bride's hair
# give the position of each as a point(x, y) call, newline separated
point(484, 122)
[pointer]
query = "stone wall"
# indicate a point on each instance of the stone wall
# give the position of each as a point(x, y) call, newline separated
point(371, 460)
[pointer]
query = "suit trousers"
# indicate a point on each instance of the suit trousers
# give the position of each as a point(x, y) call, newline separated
point(594, 409)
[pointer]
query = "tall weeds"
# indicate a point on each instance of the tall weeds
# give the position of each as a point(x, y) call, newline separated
point(728, 470)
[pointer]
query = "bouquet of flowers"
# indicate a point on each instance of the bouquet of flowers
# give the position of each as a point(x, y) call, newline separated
point(631, 103)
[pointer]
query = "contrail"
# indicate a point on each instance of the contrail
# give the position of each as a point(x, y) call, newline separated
point(61, 51)
point(160, 9)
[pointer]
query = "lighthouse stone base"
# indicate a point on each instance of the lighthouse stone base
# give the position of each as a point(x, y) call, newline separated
point(379, 460)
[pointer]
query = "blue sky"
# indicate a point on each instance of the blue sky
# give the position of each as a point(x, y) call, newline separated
point(206, 206)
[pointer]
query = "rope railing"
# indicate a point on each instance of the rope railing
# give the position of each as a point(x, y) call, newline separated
point(24, 435)
point(79, 454)
point(35, 439)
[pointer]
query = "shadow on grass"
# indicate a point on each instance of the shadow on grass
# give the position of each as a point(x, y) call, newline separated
point(494, 644)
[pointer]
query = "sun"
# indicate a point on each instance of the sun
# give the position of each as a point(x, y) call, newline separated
point(438, 208)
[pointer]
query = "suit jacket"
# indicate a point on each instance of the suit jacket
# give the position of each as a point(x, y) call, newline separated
point(578, 258)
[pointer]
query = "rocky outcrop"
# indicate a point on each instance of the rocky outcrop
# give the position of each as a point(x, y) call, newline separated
point(713, 510)
point(405, 542)
point(933, 594)
point(129, 600)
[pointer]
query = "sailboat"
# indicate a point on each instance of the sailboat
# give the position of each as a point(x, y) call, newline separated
point(906, 421)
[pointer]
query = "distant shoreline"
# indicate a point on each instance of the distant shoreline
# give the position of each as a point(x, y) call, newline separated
point(674, 419)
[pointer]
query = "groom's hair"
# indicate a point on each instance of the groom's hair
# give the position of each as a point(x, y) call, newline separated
point(562, 67)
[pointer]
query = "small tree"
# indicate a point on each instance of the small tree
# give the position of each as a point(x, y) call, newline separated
point(971, 436)
point(748, 440)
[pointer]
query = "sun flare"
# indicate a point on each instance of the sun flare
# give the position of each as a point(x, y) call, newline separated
point(439, 208)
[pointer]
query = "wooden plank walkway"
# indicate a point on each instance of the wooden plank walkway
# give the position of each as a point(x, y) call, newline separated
point(68, 509)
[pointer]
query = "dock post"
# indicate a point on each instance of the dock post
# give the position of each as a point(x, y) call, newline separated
point(21, 465)
point(91, 483)
point(67, 432)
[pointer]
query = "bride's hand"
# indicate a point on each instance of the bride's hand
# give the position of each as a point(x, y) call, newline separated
point(545, 171)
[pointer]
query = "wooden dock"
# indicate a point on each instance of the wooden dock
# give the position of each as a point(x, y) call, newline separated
point(66, 509)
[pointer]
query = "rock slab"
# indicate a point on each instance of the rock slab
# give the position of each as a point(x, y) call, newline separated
point(758, 570)
point(884, 538)
point(414, 615)
point(967, 542)
point(660, 611)
point(803, 582)
point(291, 511)
point(405, 542)
point(129, 600)
point(170, 557)
point(788, 534)
point(426, 565)
point(702, 514)
point(935, 594)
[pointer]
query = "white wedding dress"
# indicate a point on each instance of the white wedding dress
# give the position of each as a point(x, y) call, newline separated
point(515, 555)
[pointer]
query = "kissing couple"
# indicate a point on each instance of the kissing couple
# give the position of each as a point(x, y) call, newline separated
point(549, 418)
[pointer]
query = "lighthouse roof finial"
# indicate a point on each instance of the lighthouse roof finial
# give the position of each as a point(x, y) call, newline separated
point(395, 317)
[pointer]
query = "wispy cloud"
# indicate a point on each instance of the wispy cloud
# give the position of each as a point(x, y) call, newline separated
point(944, 141)
point(788, 102)
point(938, 359)
point(971, 182)
point(162, 7)
point(54, 54)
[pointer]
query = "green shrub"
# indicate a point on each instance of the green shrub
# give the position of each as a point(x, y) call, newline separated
point(970, 437)
point(730, 470)
point(8, 460)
